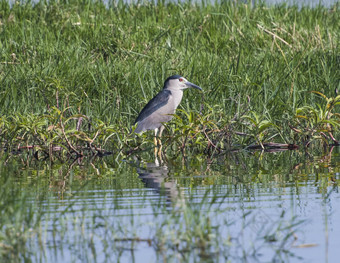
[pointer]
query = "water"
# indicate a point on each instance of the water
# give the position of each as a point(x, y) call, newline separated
point(311, 3)
point(242, 207)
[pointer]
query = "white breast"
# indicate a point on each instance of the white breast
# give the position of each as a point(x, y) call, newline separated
point(176, 97)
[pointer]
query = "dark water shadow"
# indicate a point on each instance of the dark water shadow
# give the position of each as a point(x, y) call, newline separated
point(156, 175)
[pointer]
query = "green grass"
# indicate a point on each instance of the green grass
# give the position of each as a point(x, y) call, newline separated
point(105, 63)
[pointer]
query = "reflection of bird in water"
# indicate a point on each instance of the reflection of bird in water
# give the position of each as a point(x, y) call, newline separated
point(156, 176)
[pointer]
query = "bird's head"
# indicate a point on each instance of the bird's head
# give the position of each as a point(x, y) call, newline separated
point(177, 82)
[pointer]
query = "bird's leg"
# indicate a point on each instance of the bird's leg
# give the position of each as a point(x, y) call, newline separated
point(160, 153)
point(156, 142)
point(156, 151)
point(155, 139)
point(158, 156)
point(159, 137)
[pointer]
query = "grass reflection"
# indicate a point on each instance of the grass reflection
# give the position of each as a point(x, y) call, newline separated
point(176, 209)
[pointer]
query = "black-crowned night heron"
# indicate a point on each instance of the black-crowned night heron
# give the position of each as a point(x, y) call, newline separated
point(161, 108)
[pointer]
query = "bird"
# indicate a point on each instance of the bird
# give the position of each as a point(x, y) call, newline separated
point(160, 109)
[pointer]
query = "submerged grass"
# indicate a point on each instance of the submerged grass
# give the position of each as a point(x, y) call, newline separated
point(89, 214)
point(75, 75)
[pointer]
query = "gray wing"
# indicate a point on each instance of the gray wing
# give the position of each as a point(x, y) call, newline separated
point(154, 104)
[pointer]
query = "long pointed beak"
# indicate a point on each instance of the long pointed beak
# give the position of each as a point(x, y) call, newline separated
point(192, 85)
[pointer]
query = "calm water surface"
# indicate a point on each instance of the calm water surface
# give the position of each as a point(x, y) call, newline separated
point(270, 207)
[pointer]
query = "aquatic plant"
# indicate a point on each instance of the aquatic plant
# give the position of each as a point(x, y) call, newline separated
point(318, 123)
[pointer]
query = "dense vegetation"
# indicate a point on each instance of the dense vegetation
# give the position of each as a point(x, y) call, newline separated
point(74, 76)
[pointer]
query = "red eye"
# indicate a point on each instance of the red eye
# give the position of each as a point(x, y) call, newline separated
point(181, 80)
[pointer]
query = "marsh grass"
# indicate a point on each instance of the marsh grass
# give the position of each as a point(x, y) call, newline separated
point(96, 65)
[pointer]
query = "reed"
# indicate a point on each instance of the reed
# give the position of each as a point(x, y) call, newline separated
point(98, 64)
